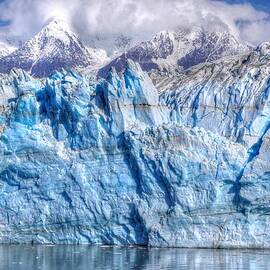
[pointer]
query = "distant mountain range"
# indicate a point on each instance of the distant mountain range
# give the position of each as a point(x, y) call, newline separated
point(179, 50)
point(56, 46)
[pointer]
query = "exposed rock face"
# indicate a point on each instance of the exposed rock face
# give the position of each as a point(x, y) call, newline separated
point(113, 163)
point(55, 47)
point(6, 49)
point(179, 50)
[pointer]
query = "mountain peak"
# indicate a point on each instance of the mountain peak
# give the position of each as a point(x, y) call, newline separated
point(57, 29)
point(53, 48)
point(57, 25)
point(180, 49)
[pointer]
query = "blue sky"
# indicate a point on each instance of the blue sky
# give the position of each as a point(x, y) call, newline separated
point(3, 22)
point(258, 4)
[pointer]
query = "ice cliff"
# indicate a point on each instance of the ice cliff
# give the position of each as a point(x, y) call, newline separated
point(112, 162)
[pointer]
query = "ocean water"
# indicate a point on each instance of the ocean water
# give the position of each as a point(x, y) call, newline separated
point(26, 257)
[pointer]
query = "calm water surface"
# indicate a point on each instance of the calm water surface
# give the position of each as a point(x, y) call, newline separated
point(15, 257)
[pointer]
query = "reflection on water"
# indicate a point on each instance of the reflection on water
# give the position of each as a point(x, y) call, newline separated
point(15, 257)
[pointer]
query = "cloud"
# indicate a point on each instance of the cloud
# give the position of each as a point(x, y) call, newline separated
point(135, 17)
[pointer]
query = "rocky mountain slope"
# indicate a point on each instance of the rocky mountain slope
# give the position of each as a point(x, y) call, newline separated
point(6, 49)
point(56, 47)
point(53, 48)
point(114, 45)
point(179, 50)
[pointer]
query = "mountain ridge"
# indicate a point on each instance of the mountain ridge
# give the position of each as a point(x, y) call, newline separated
point(6, 49)
point(54, 47)
point(179, 50)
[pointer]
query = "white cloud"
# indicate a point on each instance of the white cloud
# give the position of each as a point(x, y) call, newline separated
point(136, 17)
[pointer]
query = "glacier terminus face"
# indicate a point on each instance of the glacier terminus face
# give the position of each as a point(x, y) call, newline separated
point(115, 162)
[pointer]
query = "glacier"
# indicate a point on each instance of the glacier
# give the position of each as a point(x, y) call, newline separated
point(115, 162)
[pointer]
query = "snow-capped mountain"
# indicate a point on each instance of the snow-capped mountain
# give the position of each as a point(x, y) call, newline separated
point(56, 46)
point(180, 50)
point(114, 45)
point(53, 48)
point(6, 49)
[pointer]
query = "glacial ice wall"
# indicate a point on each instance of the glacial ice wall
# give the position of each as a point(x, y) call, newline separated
point(106, 163)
